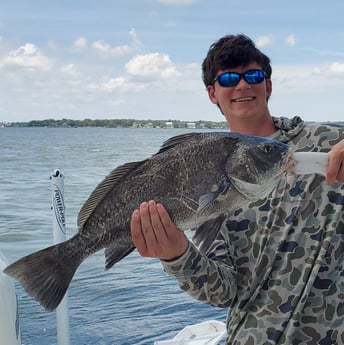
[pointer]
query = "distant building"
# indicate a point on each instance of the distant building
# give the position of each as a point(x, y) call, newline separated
point(169, 124)
point(148, 125)
point(190, 125)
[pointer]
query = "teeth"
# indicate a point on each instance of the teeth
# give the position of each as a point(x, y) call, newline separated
point(243, 99)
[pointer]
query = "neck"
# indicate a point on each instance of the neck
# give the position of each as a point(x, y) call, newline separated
point(263, 127)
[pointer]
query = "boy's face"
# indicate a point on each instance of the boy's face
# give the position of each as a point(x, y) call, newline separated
point(243, 101)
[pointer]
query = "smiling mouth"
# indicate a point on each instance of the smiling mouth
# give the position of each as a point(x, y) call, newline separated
point(243, 99)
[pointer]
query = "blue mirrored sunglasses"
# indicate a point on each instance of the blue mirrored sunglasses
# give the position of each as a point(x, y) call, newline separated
point(228, 79)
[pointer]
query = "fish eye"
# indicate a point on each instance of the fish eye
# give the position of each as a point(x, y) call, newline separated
point(267, 148)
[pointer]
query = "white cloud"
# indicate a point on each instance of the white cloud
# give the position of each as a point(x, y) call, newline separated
point(144, 71)
point(141, 77)
point(117, 84)
point(106, 50)
point(307, 78)
point(337, 67)
point(79, 44)
point(263, 41)
point(290, 41)
point(133, 35)
point(70, 70)
point(154, 65)
point(108, 85)
point(316, 71)
point(28, 57)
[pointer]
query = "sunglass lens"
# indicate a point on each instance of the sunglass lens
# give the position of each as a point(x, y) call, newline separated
point(254, 77)
point(229, 79)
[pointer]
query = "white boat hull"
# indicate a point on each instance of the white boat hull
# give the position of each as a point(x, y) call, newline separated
point(9, 321)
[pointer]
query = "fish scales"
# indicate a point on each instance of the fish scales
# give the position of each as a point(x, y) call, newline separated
point(168, 178)
point(198, 177)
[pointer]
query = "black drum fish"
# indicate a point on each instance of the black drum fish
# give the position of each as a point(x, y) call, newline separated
point(198, 177)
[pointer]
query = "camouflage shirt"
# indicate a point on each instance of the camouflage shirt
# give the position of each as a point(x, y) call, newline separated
point(278, 263)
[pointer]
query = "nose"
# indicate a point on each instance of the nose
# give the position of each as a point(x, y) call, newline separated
point(243, 84)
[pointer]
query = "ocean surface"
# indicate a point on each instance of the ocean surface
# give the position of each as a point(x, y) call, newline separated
point(133, 303)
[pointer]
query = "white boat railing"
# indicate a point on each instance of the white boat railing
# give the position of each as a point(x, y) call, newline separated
point(59, 234)
point(9, 321)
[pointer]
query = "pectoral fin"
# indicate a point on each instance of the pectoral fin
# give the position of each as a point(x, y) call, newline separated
point(116, 252)
point(206, 199)
point(206, 234)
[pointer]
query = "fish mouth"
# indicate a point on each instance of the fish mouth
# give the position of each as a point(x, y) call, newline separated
point(243, 99)
point(289, 164)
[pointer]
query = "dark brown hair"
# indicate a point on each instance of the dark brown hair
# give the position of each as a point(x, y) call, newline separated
point(232, 51)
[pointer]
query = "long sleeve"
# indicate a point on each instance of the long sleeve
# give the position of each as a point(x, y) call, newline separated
point(210, 279)
point(278, 261)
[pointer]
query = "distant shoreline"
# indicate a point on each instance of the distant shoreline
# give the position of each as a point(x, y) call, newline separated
point(118, 123)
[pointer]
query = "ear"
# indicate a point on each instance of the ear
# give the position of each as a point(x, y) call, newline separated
point(268, 86)
point(212, 94)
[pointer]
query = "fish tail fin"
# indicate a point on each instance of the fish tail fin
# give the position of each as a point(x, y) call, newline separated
point(45, 275)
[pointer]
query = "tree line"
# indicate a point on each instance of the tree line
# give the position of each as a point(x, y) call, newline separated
point(120, 123)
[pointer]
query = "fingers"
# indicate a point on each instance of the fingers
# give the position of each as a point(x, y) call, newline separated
point(335, 170)
point(147, 231)
point(136, 233)
point(154, 221)
point(165, 219)
point(152, 229)
point(154, 234)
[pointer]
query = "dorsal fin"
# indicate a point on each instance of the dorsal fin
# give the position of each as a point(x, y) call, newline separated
point(176, 140)
point(104, 187)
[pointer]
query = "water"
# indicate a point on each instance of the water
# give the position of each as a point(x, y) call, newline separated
point(133, 303)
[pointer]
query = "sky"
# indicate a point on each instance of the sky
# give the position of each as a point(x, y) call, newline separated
point(113, 59)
